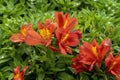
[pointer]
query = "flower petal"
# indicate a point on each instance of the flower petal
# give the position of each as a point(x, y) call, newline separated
point(59, 18)
point(32, 38)
point(62, 49)
point(72, 40)
point(18, 37)
point(71, 24)
point(109, 60)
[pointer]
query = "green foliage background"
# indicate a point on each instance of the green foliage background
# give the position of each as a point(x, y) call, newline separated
point(97, 19)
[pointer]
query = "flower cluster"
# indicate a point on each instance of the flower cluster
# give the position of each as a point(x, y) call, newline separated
point(91, 56)
point(62, 30)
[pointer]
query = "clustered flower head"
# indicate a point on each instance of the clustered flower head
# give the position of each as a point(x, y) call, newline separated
point(91, 55)
point(62, 29)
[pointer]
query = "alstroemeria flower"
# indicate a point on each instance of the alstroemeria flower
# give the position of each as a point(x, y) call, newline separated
point(65, 34)
point(91, 55)
point(64, 21)
point(113, 65)
point(67, 39)
point(27, 35)
point(19, 75)
point(20, 37)
point(46, 31)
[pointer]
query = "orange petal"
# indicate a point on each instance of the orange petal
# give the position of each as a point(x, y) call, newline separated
point(71, 24)
point(17, 38)
point(32, 38)
point(59, 18)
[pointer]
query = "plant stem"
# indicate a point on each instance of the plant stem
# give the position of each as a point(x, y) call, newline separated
point(106, 78)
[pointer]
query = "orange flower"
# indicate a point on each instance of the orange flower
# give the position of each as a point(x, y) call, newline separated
point(91, 54)
point(67, 39)
point(19, 75)
point(64, 21)
point(113, 65)
point(20, 37)
point(46, 31)
point(65, 34)
point(27, 35)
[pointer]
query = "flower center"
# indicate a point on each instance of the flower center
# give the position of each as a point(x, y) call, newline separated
point(17, 76)
point(94, 51)
point(23, 31)
point(112, 65)
point(64, 37)
point(45, 33)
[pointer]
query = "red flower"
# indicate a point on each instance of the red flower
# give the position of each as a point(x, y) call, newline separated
point(64, 21)
point(27, 35)
point(91, 54)
point(19, 75)
point(113, 65)
point(65, 35)
point(67, 39)
point(46, 31)
point(20, 37)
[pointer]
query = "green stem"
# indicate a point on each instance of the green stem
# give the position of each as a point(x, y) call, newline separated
point(106, 78)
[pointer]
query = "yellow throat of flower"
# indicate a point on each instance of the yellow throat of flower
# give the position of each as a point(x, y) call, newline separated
point(94, 50)
point(112, 65)
point(23, 31)
point(45, 33)
point(17, 76)
point(65, 37)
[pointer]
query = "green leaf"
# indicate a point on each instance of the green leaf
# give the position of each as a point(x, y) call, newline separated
point(57, 69)
point(4, 58)
point(10, 76)
point(65, 76)
point(40, 74)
